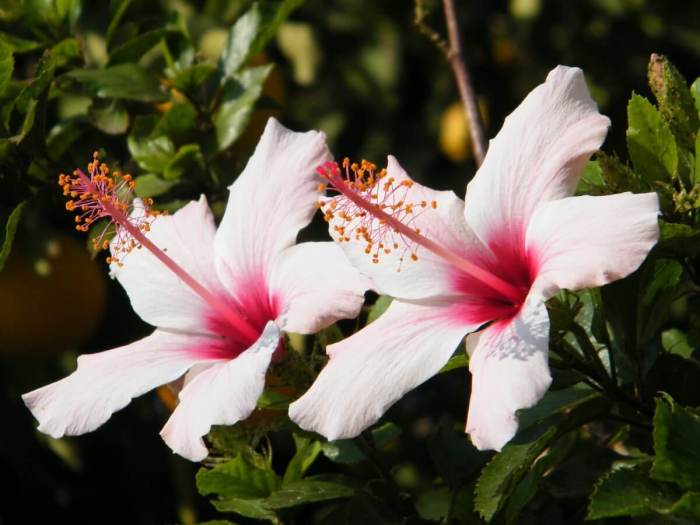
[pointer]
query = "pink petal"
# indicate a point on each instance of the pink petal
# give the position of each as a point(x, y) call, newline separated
point(158, 295)
point(222, 394)
point(508, 363)
point(317, 286)
point(584, 242)
point(536, 157)
point(270, 201)
point(430, 275)
point(107, 381)
point(373, 368)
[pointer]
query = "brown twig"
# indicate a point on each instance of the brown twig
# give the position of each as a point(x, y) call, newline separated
point(455, 58)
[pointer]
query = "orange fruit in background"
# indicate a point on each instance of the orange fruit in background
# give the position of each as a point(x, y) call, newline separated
point(50, 302)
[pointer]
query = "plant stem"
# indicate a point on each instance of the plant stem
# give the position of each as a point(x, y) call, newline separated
point(455, 58)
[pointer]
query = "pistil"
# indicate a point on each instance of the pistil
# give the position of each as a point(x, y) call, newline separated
point(357, 194)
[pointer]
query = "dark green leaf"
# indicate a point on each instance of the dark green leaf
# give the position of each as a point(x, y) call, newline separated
point(385, 434)
point(62, 136)
point(650, 142)
point(237, 478)
point(134, 49)
point(675, 101)
point(109, 116)
point(250, 508)
point(216, 522)
point(676, 438)
point(190, 78)
point(177, 122)
point(433, 504)
point(343, 451)
point(120, 9)
point(501, 477)
point(453, 455)
point(307, 450)
point(252, 31)
point(628, 491)
point(695, 93)
point(678, 240)
point(10, 231)
point(6, 65)
point(151, 185)
point(659, 283)
point(675, 341)
point(124, 81)
point(238, 99)
point(306, 491)
point(188, 158)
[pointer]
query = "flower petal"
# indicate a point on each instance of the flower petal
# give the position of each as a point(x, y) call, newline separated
point(159, 296)
point(270, 201)
point(396, 274)
point(107, 381)
point(373, 368)
point(584, 242)
point(316, 285)
point(537, 156)
point(508, 363)
point(222, 394)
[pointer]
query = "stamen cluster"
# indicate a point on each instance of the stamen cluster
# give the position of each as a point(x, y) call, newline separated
point(107, 195)
point(373, 208)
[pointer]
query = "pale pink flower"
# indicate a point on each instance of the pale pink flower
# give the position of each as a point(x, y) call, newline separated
point(217, 297)
point(519, 239)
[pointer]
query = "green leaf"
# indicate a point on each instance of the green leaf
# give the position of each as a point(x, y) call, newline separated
point(676, 104)
point(178, 122)
point(251, 32)
point(151, 185)
point(250, 508)
point(239, 95)
point(7, 64)
point(237, 478)
point(19, 45)
point(676, 438)
point(502, 475)
point(650, 142)
point(62, 136)
point(678, 240)
point(378, 308)
point(452, 454)
point(10, 231)
point(433, 504)
point(343, 451)
point(134, 49)
point(385, 434)
point(119, 9)
point(307, 491)
point(124, 81)
point(460, 360)
point(216, 522)
point(190, 78)
point(592, 181)
point(628, 491)
point(695, 93)
point(109, 116)
point(675, 341)
point(659, 283)
point(152, 153)
point(307, 450)
point(188, 158)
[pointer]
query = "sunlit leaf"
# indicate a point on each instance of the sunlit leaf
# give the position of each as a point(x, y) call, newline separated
point(10, 231)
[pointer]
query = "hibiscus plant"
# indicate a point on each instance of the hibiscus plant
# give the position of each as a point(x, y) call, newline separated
point(335, 341)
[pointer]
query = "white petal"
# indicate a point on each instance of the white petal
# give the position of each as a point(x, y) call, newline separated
point(316, 285)
point(537, 156)
point(159, 296)
point(508, 363)
point(372, 369)
point(219, 395)
point(271, 200)
point(107, 381)
point(584, 242)
point(428, 276)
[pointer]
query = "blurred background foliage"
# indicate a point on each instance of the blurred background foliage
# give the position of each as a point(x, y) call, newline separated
point(177, 92)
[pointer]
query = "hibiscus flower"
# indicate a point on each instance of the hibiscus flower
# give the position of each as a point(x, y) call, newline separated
point(217, 297)
point(484, 267)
